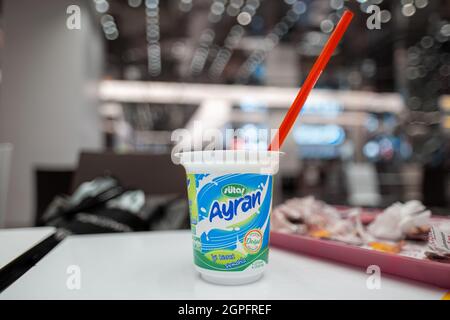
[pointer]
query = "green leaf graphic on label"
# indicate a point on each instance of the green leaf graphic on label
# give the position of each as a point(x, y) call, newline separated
point(233, 190)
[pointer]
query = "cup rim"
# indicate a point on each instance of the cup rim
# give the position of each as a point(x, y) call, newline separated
point(179, 154)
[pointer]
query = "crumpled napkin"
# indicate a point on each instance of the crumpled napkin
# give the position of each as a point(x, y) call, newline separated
point(396, 221)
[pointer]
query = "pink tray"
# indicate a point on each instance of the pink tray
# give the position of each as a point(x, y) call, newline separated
point(428, 271)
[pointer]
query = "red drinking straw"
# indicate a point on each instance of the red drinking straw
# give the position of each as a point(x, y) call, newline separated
point(310, 81)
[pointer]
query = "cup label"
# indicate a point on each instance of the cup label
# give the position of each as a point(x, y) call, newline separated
point(230, 220)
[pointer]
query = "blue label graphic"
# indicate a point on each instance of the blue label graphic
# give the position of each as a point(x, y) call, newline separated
point(230, 220)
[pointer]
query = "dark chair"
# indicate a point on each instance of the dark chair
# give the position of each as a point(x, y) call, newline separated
point(49, 183)
point(155, 174)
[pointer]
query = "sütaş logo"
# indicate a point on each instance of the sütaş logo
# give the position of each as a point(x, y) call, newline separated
point(234, 190)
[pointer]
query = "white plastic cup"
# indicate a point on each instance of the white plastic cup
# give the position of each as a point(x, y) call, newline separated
point(230, 200)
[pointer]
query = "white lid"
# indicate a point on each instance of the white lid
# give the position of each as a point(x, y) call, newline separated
point(230, 161)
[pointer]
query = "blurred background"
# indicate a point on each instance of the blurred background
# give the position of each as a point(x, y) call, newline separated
point(96, 86)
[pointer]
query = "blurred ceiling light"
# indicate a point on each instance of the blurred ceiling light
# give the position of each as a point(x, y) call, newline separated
point(253, 3)
point(371, 150)
point(369, 68)
point(236, 30)
point(291, 16)
point(185, 5)
point(179, 50)
point(281, 28)
point(151, 4)
point(445, 30)
point(408, 10)
point(238, 3)
point(426, 42)
point(105, 19)
point(101, 6)
point(314, 38)
point(232, 10)
point(151, 13)
point(312, 43)
point(134, 3)
point(207, 36)
point(154, 57)
point(413, 58)
point(326, 26)
point(385, 16)
point(372, 123)
point(412, 73)
point(421, 3)
point(224, 54)
point(214, 18)
point(354, 78)
point(217, 8)
point(113, 35)
point(337, 4)
point(216, 11)
point(300, 7)
point(244, 18)
point(202, 52)
point(152, 37)
point(414, 50)
point(386, 148)
point(132, 72)
point(249, 9)
point(110, 28)
point(219, 62)
point(270, 41)
point(333, 17)
point(364, 6)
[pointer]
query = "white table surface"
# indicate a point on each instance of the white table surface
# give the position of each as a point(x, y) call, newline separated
point(158, 265)
point(15, 242)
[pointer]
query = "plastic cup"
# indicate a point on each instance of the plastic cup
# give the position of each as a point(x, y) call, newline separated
point(230, 200)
